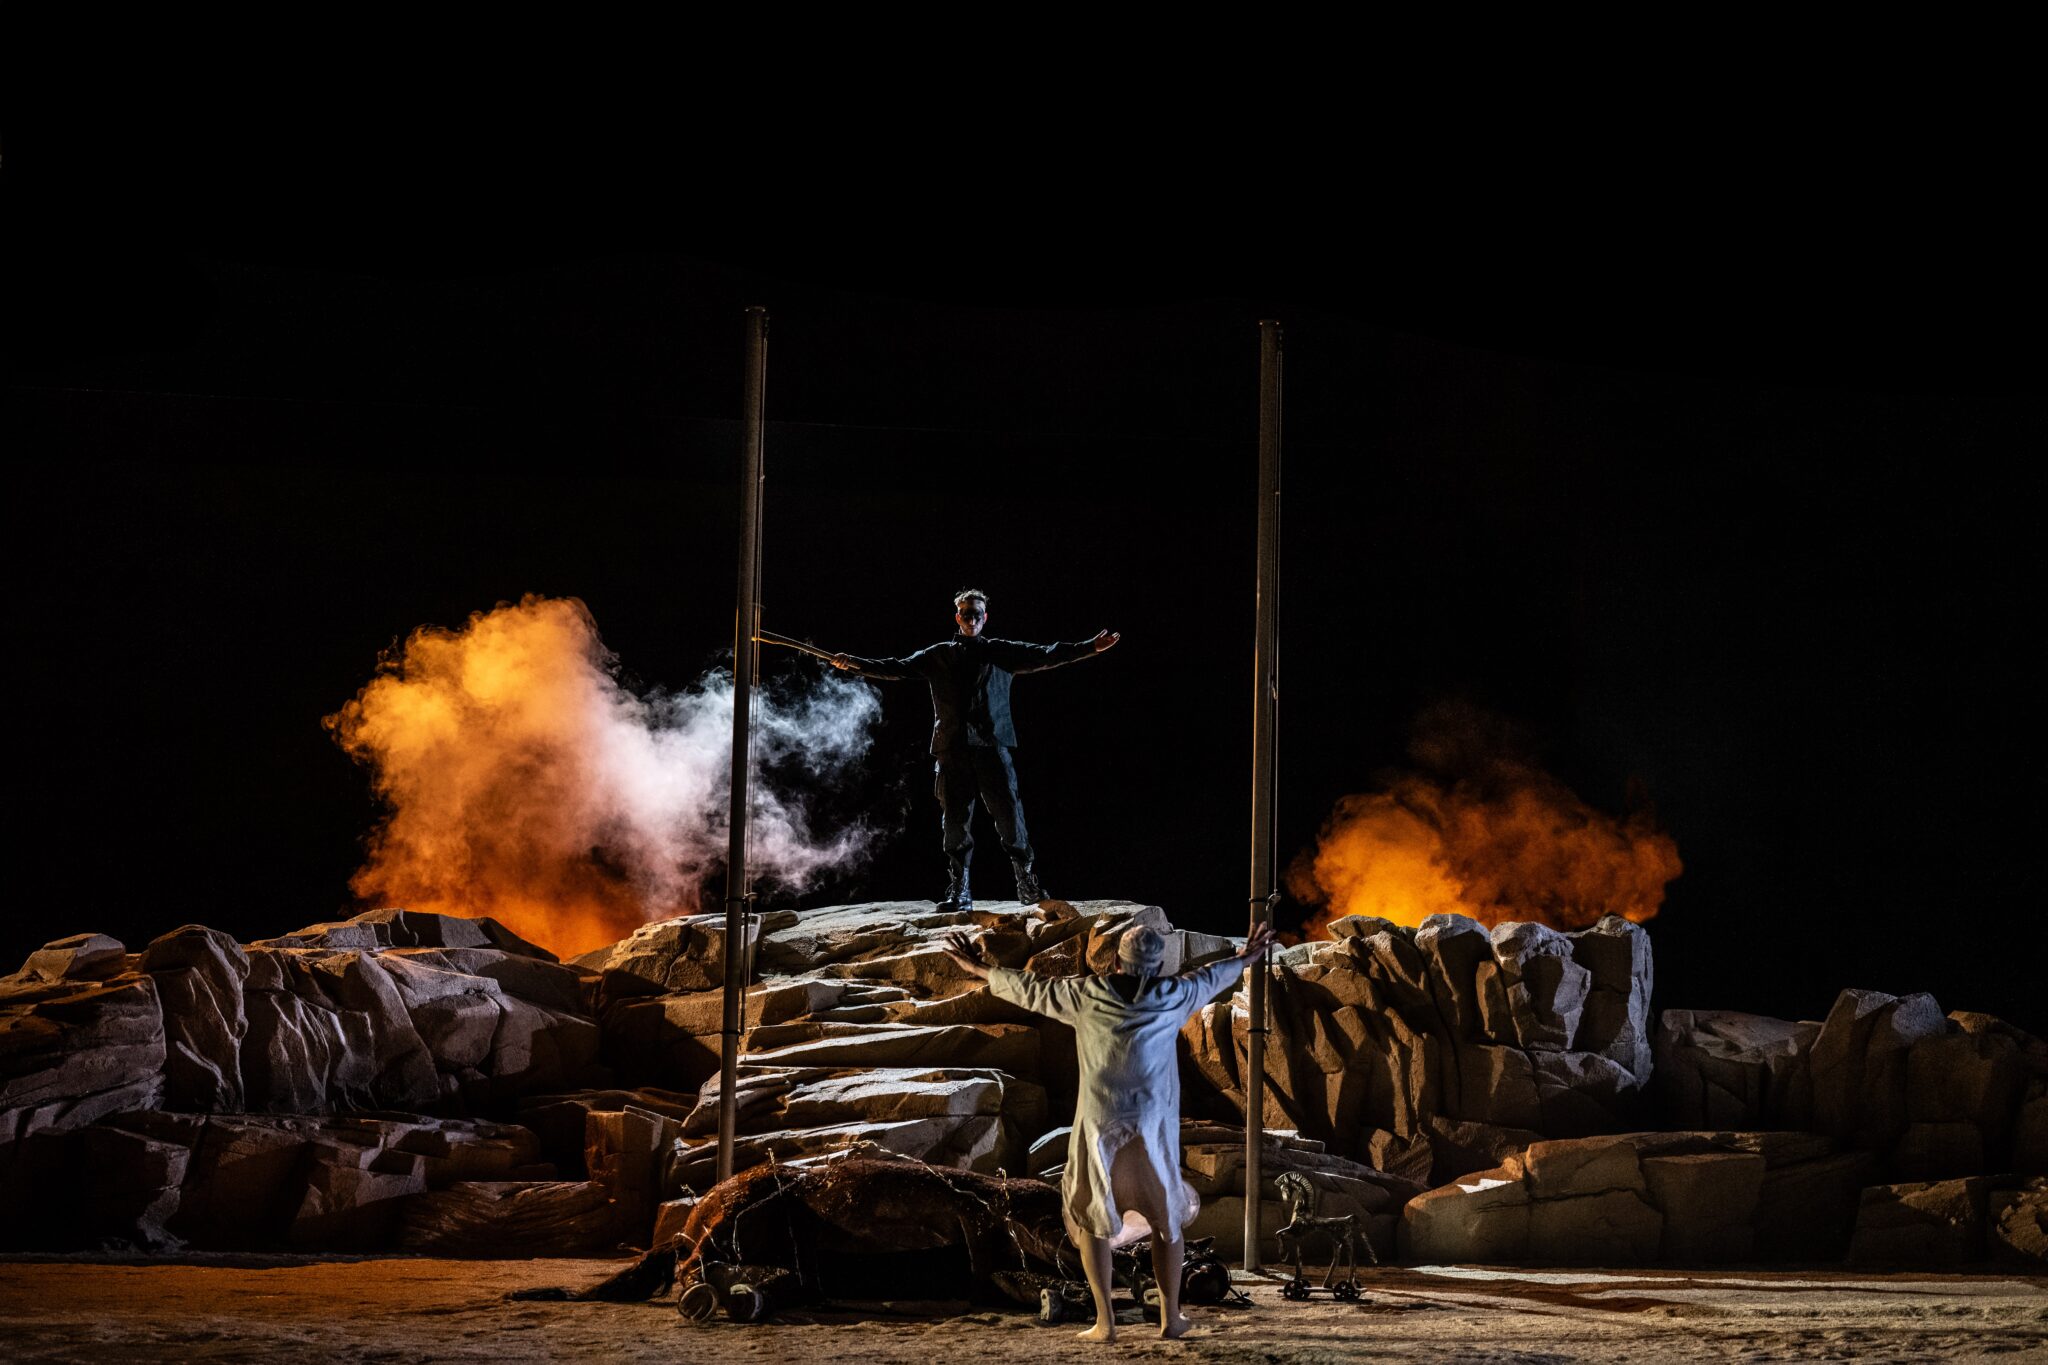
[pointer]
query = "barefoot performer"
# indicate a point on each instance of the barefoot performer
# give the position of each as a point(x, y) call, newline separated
point(1124, 1154)
point(972, 733)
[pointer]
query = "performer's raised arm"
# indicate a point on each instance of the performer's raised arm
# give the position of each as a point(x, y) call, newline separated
point(881, 670)
point(1019, 657)
point(1209, 979)
point(1054, 997)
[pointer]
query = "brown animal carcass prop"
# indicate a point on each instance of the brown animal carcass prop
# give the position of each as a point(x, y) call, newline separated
point(859, 1228)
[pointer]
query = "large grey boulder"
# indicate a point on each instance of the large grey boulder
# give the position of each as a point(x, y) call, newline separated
point(199, 974)
point(1546, 988)
point(374, 930)
point(247, 1181)
point(1496, 1085)
point(412, 1029)
point(1859, 1064)
point(329, 1030)
point(73, 1051)
point(1924, 1223)
point(1709, 1202)
point(1726, 1069)
point(1581, 1093)
point(1480, 1218)
point(979, 1119)
point(354, 1196)
point(1386, 1029)
point(1615, 1019)
point(1807, 1208)
point(686, 953)
point(91, 1187)
point(1680, 1198)
point(1963, 1096)
point(1455, 947)
point(79, 957)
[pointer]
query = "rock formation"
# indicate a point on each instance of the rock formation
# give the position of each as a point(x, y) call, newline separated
point(1933, 1097)
point(1638, 1198)
point(419, 1081)
point(1385, 1036)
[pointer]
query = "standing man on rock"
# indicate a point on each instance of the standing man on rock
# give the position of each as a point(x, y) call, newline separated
point(972, 734)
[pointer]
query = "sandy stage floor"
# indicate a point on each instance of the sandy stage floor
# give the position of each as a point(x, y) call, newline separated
point(249, 1309)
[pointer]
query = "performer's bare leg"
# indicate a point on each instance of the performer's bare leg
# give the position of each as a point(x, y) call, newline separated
point(1166, 1269)
point(1095, 1261)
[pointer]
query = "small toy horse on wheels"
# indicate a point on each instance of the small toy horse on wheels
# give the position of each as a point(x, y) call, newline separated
point(1302, 1223)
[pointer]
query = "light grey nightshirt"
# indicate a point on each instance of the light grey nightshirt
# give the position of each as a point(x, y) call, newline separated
point(1130, 1080)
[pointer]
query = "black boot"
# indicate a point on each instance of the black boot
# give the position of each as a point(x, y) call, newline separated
point(958, 897)
point(1029, 892)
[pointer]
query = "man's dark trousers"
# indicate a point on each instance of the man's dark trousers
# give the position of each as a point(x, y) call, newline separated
point(970, 770)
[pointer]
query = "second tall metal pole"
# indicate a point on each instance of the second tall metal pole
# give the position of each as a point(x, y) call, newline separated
point(745, 665)
point(1265, 765)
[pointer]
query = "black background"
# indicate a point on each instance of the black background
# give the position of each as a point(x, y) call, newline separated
point(1711, 463)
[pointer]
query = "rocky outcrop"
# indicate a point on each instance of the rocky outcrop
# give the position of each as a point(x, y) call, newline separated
point(1213, 1163)
point(80, 1038)
point(1927, 1223)
point(1952, 1222)
point(682, 954)
point(313, 1091)
point(199, 976)
point(239, 1182)
point(81, 957)
point(1724, 1069)
point(1640, 1198)
point(390, 1010)
point(1964, 1091)
point(376, 930)
point(1932, 1097)
point(1384, 1032)
point(91, 1186)
point(968, 1119)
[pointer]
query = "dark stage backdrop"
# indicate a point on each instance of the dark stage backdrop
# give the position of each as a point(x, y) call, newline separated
point(1770, 566)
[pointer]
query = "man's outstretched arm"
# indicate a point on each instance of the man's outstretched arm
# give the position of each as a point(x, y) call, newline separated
point(1019, 657)
point(881, 670)
point(1210, 978)
point(1054, 997)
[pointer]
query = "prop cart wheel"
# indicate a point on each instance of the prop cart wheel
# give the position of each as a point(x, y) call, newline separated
point(1347, 1290)
point(1295, 1290)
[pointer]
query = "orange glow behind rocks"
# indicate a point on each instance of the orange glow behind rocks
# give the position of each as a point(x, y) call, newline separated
point(1481, 832)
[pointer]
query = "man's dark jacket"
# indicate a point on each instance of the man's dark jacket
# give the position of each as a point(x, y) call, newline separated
point(970, 682)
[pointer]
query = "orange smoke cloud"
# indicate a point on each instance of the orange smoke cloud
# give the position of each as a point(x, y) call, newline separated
point(525, 782)
point(1481, 831)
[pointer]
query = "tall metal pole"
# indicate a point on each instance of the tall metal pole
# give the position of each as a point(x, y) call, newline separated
point(1265, 765)
point(745, 667)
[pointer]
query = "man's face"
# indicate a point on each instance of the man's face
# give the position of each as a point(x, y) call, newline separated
point(970, 616)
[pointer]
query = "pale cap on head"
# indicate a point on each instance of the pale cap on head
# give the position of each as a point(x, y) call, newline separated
point(1141, 951)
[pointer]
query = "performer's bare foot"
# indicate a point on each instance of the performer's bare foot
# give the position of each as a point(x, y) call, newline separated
point(1101, 1331)
point(1177, 1328)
